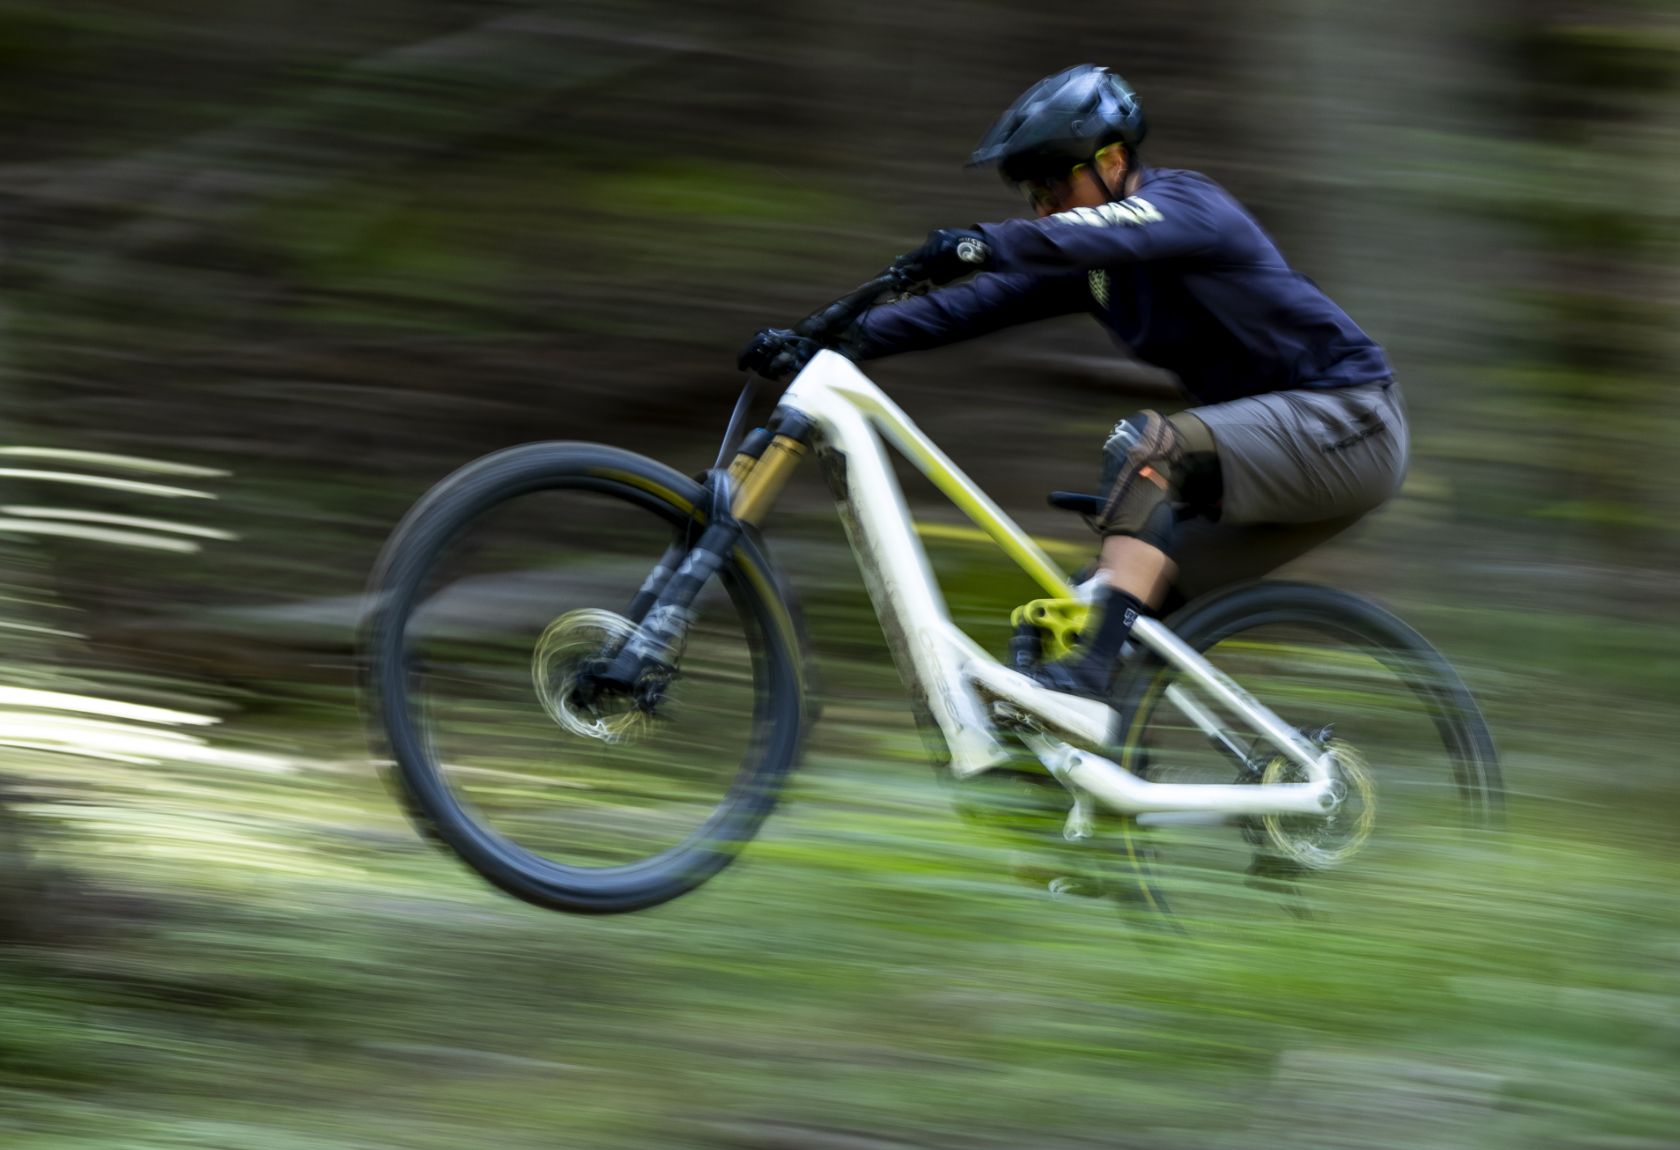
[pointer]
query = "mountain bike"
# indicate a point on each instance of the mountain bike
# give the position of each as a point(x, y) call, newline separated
point(591, 682)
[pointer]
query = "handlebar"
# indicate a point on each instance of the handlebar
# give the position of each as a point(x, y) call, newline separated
point(827, 324)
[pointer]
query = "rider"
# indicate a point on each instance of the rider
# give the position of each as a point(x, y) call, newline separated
point(1298, 428)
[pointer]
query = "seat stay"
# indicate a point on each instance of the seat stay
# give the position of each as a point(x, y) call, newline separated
point(1225, 691)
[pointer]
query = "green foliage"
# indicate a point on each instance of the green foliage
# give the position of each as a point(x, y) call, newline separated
point(1605, 57)
point(871, 965)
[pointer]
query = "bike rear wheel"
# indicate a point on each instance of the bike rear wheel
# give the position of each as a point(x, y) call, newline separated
point(1409, 742)
point(493, 599)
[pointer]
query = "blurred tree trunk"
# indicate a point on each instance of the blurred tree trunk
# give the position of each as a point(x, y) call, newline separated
point(1359, 111)
point(1359, 119)
point(1599, 94)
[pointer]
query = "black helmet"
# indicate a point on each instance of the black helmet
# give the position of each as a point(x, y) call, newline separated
point(1060, 121)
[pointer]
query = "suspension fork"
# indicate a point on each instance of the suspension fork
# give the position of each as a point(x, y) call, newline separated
point(740, 497)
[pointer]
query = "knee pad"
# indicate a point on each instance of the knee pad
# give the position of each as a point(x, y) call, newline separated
point(1141, 462)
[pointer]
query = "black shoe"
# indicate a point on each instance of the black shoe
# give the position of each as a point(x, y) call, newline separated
point(1086, 675)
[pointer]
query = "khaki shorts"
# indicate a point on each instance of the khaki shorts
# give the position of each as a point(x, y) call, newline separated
point(1298, 467)
point(1302, 456)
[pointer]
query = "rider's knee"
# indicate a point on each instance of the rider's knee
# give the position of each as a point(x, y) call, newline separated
point(1134, 442)
point(1142, 461)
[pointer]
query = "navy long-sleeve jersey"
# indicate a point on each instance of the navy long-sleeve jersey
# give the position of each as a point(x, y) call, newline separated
point(1179, 272)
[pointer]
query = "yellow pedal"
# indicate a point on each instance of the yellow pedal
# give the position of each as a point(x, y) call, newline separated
point(1060, 621)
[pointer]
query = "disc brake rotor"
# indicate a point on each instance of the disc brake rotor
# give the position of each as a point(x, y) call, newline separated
point(1321, 842)
point(568, 646)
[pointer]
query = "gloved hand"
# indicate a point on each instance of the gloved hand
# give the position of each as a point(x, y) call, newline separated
point(777, 353)
point(949, 254)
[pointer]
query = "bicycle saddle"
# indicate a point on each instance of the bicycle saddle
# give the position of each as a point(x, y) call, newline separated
point(1078, 501)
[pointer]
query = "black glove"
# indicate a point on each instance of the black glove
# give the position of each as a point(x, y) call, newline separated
point(777, 353)
point(949, 254)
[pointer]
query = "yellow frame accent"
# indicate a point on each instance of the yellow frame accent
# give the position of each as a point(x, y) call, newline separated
point(944, 474)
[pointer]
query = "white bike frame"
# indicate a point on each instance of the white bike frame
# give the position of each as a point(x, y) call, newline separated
point(954, 677)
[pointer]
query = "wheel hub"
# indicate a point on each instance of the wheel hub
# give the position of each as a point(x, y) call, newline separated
point(561, 664)
point(1322, 842)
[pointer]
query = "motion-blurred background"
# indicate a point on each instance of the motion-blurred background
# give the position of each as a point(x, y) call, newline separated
point(270, 268)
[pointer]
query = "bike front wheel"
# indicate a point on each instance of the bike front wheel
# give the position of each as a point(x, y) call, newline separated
point(492, 600)
point(1408, 742)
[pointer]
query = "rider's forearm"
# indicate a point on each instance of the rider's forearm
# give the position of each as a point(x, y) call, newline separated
point(982, 305)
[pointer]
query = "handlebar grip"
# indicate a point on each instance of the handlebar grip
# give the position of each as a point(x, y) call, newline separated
point(828, 323)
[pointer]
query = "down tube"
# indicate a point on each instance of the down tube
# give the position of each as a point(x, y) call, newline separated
point(895, 567)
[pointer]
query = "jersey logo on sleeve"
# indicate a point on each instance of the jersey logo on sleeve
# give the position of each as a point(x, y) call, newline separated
point(1099, 287)
point(1134, 212)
